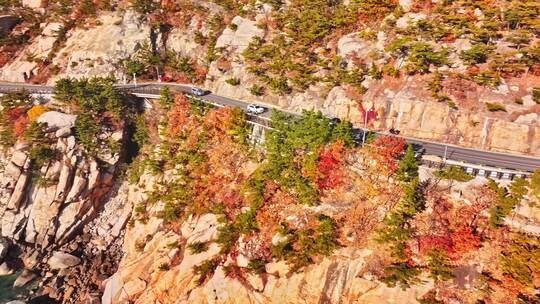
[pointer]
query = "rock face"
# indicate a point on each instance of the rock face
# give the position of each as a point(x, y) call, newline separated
point(65, 211)
point(400, 109)
point(240, 37)
point(353, 45)
point(33, 3)
point(97, 51)
point(51, 213)
point(336, 279)
point(26, 64)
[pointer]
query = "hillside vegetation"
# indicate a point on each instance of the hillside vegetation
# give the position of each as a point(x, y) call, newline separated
point(309, 191)
point(183, 203)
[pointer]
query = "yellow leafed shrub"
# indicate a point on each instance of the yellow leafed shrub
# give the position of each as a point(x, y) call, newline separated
point(36, 111)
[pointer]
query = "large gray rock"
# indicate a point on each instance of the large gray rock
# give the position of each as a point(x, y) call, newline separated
point(242, 36)
point(24, 278)
point(33, 3)
point(19, 158)
point(56, 120)
point(61, 260)
point(63, 132)
point(406, 4)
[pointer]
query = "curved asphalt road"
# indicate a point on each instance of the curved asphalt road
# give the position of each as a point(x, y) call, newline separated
point(466, 155)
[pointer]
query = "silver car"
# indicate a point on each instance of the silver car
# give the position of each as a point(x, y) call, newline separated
point(255, 109)
point(198, 92)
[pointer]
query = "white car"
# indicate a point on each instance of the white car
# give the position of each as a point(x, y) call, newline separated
point(198, 92)
point(255, 109)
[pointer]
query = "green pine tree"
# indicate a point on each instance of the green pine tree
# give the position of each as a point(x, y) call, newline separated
point(439, 266)
point(408, 167)
point(401, 274)
point(165, 98)
point(343, 131)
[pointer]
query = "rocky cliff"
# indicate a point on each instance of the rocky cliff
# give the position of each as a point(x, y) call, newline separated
point(103, 201)
point(62, 211)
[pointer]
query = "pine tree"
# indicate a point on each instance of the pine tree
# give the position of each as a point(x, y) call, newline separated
point(413, 200)
point(535, 185)
point(403, 274)
point(439, 265)
point(408, 167)
point(343, 131)
point(165, 98)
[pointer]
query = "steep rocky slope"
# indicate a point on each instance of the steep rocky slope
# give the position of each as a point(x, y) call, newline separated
point(104, 201)
point(56, 213)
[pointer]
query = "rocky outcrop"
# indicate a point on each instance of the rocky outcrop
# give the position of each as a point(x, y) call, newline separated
point(27, 62)
point(56, 120)
point(97, 51)
point(24, 278)
point(240, 35)
point(33, 3)
point(61, 260)
point(340, 278)
point(56, 215)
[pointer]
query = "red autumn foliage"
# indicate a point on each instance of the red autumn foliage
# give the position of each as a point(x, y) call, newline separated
point(454, 244)
point(176, 76)
point(18, 119)
point(371, 113)
point(430, 242)
point(329, 167)
point(15, 113)
point(464, 240)
point(387, 150)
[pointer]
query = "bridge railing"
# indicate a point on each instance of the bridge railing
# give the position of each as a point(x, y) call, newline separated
point(474, 170)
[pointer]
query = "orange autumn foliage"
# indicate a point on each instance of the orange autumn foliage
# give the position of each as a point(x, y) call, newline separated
point(18, 120)
point(20, 125)
point(387, 149)
point(464, 240)
point(219, 120)
point(179, 118)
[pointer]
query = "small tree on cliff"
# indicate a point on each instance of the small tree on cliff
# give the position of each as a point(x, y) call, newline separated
point(439, 265)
